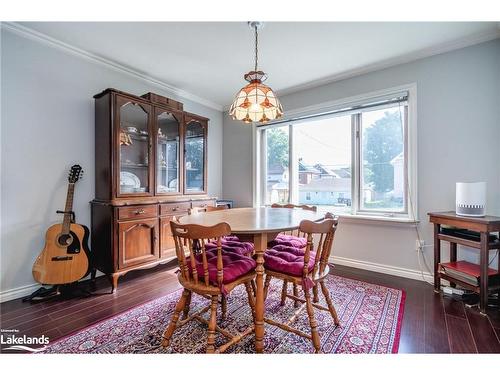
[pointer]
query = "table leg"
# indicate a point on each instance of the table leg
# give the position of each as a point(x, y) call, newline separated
point(260, 242)
point(453, 257)
point(437, 258)
point(483, 262)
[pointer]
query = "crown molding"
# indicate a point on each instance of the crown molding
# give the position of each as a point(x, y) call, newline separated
point(403, 59)
point(31, 34)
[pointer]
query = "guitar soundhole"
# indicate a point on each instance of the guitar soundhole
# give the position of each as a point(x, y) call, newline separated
point(65, 239)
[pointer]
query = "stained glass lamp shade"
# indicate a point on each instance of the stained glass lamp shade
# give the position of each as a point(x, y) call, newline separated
point(256, 102)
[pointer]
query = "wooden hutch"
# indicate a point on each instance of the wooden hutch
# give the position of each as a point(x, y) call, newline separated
point(150, 165)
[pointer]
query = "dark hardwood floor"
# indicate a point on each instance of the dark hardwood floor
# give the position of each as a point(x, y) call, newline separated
point(432, 323)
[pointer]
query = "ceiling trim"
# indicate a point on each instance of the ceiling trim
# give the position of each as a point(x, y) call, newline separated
point(409, 57)
point(31, 34)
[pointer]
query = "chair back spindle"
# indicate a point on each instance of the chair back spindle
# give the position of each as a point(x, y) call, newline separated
point(295, 232)
point(325, 230)
point(192, 238)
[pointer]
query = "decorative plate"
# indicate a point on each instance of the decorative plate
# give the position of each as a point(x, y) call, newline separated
point(130, 179)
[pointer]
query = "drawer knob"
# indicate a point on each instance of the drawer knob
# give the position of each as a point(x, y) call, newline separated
point(139, 212)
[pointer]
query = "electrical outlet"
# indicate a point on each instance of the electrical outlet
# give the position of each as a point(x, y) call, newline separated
point(419, 245)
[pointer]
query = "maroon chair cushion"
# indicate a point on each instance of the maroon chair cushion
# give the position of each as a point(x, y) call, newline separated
point(287, 240)
point(288, 260)
point(235, 266)
point(249, 246)
point(243, 248)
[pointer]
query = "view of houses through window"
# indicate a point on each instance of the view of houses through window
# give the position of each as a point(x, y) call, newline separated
point(321, 151)
point(382, 155)
point(277, 140)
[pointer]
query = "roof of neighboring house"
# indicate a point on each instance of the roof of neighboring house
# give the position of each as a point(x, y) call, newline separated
point(327, 184)
point(323, 170)
point(307, 168)
point(343, 172)
point(275, 169)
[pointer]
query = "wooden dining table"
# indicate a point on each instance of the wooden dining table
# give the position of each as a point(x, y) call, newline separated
point(262, 224)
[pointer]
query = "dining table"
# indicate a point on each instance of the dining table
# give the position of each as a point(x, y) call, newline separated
point(261, 225)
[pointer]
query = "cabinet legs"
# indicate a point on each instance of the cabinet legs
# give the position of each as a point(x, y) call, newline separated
point(113, 279)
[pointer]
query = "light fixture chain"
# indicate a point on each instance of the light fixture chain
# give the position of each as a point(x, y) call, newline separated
point(256, 47)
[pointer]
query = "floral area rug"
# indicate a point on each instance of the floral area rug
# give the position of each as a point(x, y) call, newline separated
point(370, 316)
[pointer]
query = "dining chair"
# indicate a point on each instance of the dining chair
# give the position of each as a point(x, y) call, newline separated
point(296, 239)
point(229, 243)
point(293, 237)
point(211, 273)
point(305, 268)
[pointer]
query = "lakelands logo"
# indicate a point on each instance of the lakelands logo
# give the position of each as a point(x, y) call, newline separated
point(22, 342)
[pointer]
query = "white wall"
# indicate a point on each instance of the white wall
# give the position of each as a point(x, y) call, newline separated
point(47, 125)
point(458, 132)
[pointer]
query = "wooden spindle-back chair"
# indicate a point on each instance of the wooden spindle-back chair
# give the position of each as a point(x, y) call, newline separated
point(295, 232)
point(197, 210)
point(325, 231)
point(208, 273)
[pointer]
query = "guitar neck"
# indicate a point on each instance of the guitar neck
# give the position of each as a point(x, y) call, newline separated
point(68, 208)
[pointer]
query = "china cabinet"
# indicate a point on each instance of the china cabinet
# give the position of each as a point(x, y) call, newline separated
point(150, 166)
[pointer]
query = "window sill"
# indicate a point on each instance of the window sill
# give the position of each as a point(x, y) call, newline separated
point(367, 219)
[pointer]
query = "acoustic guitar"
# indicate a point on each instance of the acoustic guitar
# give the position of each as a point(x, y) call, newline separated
point(65, 257)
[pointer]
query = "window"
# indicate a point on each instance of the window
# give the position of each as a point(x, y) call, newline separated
point(352, 160)
point(277, 186)
point(382, 181)
point(323, 151)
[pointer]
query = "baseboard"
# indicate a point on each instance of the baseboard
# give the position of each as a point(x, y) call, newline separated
point(19, 292)
point(23, 291)
point(26, 290)
point(383, 268)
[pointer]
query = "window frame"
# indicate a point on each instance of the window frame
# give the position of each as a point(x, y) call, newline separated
point(409, 214)
point(358, 133)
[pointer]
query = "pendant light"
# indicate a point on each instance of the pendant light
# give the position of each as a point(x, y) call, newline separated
point(256, 102)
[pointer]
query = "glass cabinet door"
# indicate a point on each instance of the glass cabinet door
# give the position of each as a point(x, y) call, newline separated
point(194, 150)
point(167, 153)
point(135, 150)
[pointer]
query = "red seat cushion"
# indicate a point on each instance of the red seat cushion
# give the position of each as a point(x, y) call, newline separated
point(288, 260)
point(235, 265)
point(287, 240)
point(229, 244)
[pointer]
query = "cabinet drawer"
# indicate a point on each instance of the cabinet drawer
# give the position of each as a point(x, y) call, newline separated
point(137, 212)
point(204, 203)
point(174, 208)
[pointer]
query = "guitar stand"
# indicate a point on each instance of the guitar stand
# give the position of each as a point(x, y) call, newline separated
point(74, 290)
point(64, 292)
point(43, 294)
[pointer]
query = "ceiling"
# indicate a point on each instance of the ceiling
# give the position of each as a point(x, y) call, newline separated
point(208, 59)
